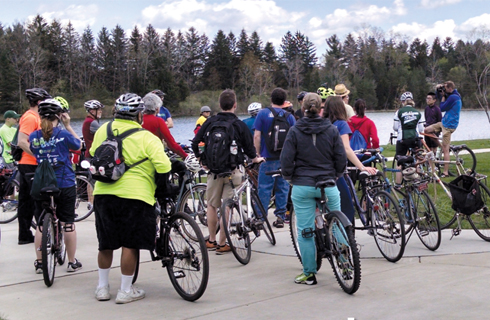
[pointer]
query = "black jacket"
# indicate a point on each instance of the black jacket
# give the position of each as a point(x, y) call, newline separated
point(304, 163)
point(243, 137)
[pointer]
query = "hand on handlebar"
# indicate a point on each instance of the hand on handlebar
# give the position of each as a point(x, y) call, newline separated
point(370, 170)
point(258, 160)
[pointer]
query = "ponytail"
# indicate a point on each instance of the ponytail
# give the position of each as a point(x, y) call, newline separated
point(46, 128)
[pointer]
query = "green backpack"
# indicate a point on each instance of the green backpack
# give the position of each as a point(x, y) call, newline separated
point(44, 176)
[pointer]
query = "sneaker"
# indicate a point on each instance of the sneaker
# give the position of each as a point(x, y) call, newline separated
point(102, 293)
point(279, 223)
point(304, 279)
point(211, 246)
point(38, 265)
point(287, 219)
point(223, 249)
point(127, 297)
point(74, 266)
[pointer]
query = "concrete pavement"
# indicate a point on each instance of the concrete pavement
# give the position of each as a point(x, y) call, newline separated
point(447, 284)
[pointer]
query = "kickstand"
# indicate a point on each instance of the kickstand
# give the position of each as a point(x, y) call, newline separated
point(457, 230)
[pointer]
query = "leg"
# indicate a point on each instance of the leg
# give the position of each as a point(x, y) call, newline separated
point(446, 142)
point(128, 261)
point(26, 204)
point(212, 217)
point(104, 259)
point(70, 241)
point(266, 183)
point(282, 191)
point(346, 200)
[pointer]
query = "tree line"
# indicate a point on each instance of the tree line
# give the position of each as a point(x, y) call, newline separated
point(187, 64)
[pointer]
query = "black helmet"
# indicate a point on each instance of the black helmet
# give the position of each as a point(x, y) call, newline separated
point(301, 95)
point(49, 108)
point(36, 94)
point(159, 93)
point(129, 104)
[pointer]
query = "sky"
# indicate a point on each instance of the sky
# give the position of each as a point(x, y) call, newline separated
point(401, 19)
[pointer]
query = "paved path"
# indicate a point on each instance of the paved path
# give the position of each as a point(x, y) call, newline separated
point(447, 284)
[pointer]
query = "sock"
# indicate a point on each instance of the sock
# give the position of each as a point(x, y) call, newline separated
point(103, 277)
point(126, 282)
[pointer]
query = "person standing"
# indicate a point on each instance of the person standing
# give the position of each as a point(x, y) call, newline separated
point(91, 123)
point(365, 125)
point(163, 112)
point(343, 92)
point(299, 113)
point(7, 133)
point(253, 109)
point(205, 113)
point(432, 116)
point(266, 183)
point(29, 122)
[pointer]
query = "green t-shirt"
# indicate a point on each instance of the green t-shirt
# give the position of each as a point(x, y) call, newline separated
point(138, 182)
point(409, 120)
point(7, 134)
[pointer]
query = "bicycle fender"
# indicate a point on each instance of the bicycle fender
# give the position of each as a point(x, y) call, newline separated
point(341, 216)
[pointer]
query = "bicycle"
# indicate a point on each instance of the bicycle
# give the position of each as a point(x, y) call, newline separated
point(84, 205)
point(9, 190)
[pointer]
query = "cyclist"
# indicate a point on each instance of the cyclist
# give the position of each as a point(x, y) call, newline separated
point(29, 122)
point(91, 123)
point(313, 151)
point(53, 144)
point(163, 112)
point(253, 109)
point(299, 113)
point(342, 91)
point(124, 209)
point(205, 113)
point(7, 133)
point(324, 93)
point(365, 125)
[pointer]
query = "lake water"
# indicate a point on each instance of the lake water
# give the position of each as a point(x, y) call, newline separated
point(472, 125)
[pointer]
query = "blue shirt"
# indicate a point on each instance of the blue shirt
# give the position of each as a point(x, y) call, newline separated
point(263, 121)
point(452, 107)
point(250, 124)
point(343, 127)
point(57, 152)
point(164, 113)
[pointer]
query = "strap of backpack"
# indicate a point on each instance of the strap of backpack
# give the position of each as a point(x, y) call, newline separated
point(274, 112)
point(123, 136)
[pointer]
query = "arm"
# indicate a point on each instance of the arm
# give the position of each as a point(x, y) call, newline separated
point(170, 123)
point(199, 138)
point(449, 103)
point(374, 135)
point(23, 141)
point(257, 135)
point(169, 139)
point(352, 156)
point(287, 156)
point(246, 139)
point(339, 156)
point(94, 126)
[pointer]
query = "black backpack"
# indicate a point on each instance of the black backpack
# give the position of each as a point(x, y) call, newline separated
point(108, 164)
point(218, 141)
point(466, 194)
point(277, 133)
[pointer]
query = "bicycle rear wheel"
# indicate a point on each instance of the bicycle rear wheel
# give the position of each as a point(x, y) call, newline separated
point(388, 223)
point(189, 266)
point(427, 225)
point(48, 249)
point(236, 233)
point(9, 204)
point(260, 213)
point(84, 202)
point(344, 258)
point(293, 231)
point(480, 220)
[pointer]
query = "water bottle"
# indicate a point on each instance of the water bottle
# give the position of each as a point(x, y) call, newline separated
point(233, 148)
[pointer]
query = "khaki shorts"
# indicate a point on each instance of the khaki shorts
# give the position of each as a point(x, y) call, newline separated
point(446, 133)
point(220, 189)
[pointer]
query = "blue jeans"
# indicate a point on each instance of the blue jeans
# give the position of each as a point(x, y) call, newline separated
point(304, 207)
point(267, 183)
point(346, 199)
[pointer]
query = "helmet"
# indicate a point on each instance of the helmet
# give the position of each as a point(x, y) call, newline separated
point(254, 108)
point(64, 104)
point(324, 93)
point(159, 93)
point(93, 105)
point(205, 109)
point(49, 107)
point(129, 104)
point(192, 164)
point(152, 102)
point(406, 95)
point(36, 94)
point(302, 95)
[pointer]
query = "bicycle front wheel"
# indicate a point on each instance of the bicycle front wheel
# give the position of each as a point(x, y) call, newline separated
point(189, 266)
point(344, 256)
point(48, 250)
point(427, 223)
point(84, 204)
point(62, 249)
point(462, 160)
point(236, 232)
point(388, 226)
point(480, 220)
point(293, 231)
point(260, 213)
point(10, 202)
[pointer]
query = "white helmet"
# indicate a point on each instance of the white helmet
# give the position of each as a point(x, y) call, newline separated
point(192, 164)
point(254, 108)
point(405, 96)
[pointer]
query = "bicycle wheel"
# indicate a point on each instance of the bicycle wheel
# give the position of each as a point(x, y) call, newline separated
point(388, 223)
point(344, 258)
point(84, 202)
point(9, 204)
point(443, 203)
point(463, 160)
point(293, 231)
point(260, 213)
point(61, 257)
point(48, 249)
point(136, 268)
point(189, 266)
point(427, 225)
point(480, 220)
point(236, 234)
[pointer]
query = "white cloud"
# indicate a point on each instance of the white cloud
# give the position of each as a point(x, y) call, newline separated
point(476, 22)
point(431, 4)
point(441, 29)
point(79, 15)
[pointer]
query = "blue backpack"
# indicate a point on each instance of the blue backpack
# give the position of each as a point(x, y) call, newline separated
point(357, 140)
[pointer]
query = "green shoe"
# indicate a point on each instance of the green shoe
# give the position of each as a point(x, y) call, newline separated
point(304, 279)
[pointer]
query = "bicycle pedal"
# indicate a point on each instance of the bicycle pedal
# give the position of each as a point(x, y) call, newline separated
point(179, 274)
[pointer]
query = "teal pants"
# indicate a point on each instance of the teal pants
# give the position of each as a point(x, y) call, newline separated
point(304, 207)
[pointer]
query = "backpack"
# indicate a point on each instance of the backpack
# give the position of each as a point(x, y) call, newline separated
point(108, 164)
point(218, 140)
point(15, 150)
point(277, 133)
point(44, 176)
point(357, 141)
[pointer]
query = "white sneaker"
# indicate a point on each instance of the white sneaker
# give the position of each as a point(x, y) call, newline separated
point(102, 293)
point(133, 295)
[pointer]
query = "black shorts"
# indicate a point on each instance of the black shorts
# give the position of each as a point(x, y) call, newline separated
point(431, 143)
point(65, 205)
point(124, 222)
point(402, 146)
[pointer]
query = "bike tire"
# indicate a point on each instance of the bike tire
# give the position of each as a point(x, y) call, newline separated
point(137, 267)
point(61, 257)
point(465, 163)
point(83, 205)
point(189, 267)
point(48, 249)
point(8, 209)
point(293, 232)
point(344, 256)
point(388, 223)
point(480, 220)
point(257, 205)
point(427, 226)
point(235, 231)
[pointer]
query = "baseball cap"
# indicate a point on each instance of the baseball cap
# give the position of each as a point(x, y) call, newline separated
point(11, 114)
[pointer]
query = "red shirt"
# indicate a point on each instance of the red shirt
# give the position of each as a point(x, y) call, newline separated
point(88, 136)
point(367, 128)
point(158, 127)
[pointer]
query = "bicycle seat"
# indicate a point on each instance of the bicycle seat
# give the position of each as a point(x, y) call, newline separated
point(325, 183)
point(458, 148)
point(404, 160)
point(50, 190)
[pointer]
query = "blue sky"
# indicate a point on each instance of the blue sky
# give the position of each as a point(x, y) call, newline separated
point(402, 19)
